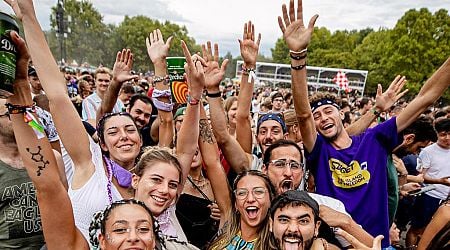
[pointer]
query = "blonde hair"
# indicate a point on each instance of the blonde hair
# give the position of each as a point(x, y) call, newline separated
point(154, 155)
point(102, 70)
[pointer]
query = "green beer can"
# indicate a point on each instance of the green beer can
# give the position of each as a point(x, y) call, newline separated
point(178, 85)
point(8, 55)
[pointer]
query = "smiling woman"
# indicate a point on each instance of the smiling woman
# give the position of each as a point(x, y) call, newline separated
point(248, 217)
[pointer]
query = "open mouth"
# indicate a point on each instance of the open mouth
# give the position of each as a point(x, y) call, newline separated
point(292, 243)
point(327, 126)
point(252, 212)
point(286, 185)
point(159, 200)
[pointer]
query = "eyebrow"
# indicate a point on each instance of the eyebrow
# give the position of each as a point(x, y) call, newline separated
point(162, 177)
point(298, 217)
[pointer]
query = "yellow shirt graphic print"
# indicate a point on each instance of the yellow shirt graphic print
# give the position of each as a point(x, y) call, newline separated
point(348, 176)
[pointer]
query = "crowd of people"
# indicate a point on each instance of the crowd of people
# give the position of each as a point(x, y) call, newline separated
point(109, 161)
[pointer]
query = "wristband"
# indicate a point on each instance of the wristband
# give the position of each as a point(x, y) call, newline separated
point(161, 93)
point(247, 71)
point(20, 109)
point(375, 112)
point(192, 101)
point(157, 79)
point(298, 52)
point(298, 57)
point(213, 95)
point(299, 67)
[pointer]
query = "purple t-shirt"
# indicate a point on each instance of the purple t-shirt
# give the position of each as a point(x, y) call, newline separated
point(357, 175)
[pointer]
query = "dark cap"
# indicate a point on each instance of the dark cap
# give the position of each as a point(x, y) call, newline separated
point(272, 116)
point(31, 71)
point(292, 196)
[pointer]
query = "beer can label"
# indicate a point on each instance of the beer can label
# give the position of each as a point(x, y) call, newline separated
point(7, 66)
point(178, 85)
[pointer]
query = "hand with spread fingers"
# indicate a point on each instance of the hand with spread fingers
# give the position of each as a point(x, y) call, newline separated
point(122, 66)
point(296, 35)
point(156, 48)
point(195, 74)
point(213, 72)
point(385, 100)
point(357, 245)
point(249, 47)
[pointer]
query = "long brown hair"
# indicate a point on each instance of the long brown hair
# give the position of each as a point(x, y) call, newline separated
point(233, 225)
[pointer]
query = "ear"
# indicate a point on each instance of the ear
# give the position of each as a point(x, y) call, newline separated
point(316, 230)
point(128, 109)
point(285, 136)
point(103, 146)
point(409, 138)
point(135, 181)
point(341, 114)
point(264, 169)
point(102, 241)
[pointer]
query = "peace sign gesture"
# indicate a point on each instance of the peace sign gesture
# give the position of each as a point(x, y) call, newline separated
point(296, 35)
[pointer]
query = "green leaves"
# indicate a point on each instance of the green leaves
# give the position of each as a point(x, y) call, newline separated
point(417, 45)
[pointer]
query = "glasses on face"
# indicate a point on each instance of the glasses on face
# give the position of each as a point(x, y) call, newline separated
point(242, 193)
point(283, 163)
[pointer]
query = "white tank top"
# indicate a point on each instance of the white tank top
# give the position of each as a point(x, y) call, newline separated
point(93, 196)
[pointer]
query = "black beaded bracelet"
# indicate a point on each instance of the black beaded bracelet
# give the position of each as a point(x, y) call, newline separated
point(213, 95)
point(298, 57)
point(299, 67)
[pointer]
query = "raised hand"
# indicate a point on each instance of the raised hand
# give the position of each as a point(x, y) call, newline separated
point(122, 66)
point(385, 100)
point(156, 48)
point(249, 47)
point(213, 73)
point(357, 245)
point(195, 74)
point(296, 35)
point(21, 85)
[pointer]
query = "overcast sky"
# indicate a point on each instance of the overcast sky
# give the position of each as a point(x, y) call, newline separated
point(222, 21)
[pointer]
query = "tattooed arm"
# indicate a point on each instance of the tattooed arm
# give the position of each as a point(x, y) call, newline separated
point(216, 174)
point(55, 208)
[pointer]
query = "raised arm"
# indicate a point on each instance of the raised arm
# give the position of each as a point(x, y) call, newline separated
point(384, 101)
point(121, 74)
point(297, 38)
point(158, 50)
point(249, 52)
point(433, 88)
point(216, 175)
point(65, 116)
point(54, 205)
point(233, 152)
point(188, 135)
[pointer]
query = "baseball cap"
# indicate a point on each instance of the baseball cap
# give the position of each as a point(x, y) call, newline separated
point(294, 196)
point(32, 71)
point(180, 111)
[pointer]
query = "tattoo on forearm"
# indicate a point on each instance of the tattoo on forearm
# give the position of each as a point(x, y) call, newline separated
point(39, 159)
point(206, 132)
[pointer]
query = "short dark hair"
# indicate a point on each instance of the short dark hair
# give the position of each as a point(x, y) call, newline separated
point(363, 102)
point(276, 95)
point(442, 125)
point(295, 198)
point(277, 144)
point(128, 88)
point(422, 128)
point(140, 97)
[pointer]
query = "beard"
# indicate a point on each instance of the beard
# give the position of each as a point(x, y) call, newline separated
point(306, 244)
point(7, 133)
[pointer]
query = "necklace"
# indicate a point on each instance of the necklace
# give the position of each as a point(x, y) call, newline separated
point(200, 183)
